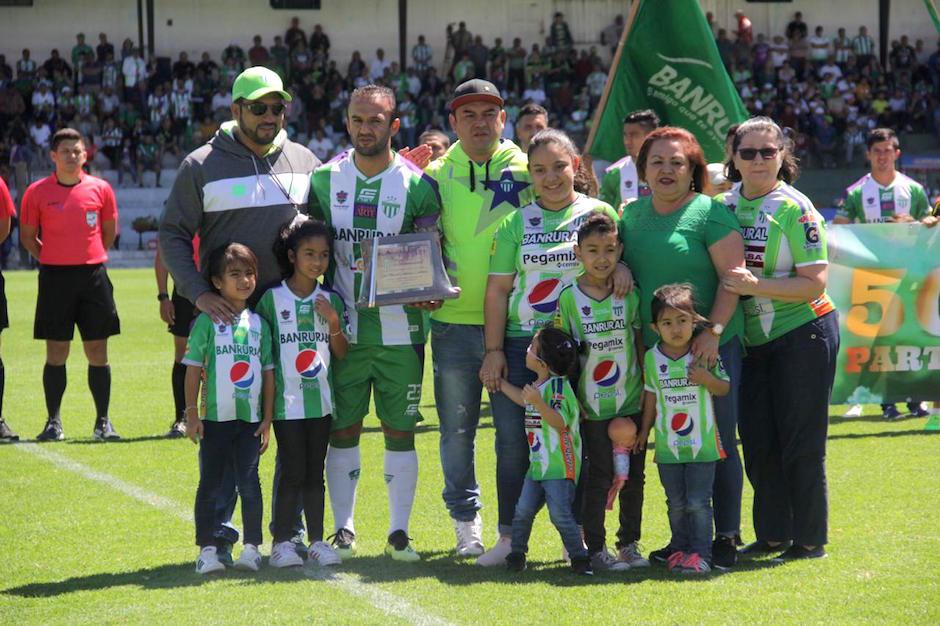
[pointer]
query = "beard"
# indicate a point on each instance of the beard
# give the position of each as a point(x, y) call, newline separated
point(381, 144)
point(259, 138)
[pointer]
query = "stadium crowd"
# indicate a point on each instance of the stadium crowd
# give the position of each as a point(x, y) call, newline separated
point(142, 113)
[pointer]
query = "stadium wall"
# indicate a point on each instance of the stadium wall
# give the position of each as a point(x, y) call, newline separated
point(364, 25)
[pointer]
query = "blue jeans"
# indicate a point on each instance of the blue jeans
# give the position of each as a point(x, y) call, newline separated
point(559, 496)
point(729, 474)
point(224, 444)
point(457, 352)
point(688, 500)
point(512, 447)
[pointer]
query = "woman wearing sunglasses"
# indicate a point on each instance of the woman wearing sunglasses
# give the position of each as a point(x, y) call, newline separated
point(792, 338)
point(678, 235)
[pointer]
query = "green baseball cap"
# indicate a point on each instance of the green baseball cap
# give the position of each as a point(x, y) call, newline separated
point(257, 82)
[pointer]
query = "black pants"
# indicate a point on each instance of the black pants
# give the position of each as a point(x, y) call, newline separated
point(600, 475)
point(302, 446)
point(785, 390)
point(221, 444)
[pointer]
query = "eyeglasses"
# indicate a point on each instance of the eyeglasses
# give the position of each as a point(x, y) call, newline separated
point(749, 154)
point(260, 108)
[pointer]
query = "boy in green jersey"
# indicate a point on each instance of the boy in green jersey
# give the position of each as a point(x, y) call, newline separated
point(609, 388)
point(233, 365)
point(369, 192)
point(679, 404)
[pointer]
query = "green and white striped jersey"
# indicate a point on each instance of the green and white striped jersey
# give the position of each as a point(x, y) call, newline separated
point(867, 202)
point(301, 338)
point(232, 358)
point(685, 413)
point(621, 183)
point(610, 384)
point(537, 247)
point(554, 455)
point(401, 199)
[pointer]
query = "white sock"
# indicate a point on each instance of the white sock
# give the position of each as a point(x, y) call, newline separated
point(401, 479)
point(342, 478)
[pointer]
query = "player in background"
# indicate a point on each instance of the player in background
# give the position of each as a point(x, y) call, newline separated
point(7, 211)
point(886, 195)
point(231, 364)
point(678, 403)
point(366, 192)
point(437, 141)
point(621, 182)
point(609, 389)
point(178, 313)
point(75, 213)
point(532, 119)
point(307, 324)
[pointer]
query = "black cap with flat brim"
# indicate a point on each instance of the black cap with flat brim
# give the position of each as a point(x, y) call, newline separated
point(475, 90)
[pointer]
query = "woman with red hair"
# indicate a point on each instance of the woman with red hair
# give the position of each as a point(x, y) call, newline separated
point(679, 235)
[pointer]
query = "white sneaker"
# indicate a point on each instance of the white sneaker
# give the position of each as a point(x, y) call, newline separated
point(249, 560)
point(323, 554)
point(469, 537)
point(854, 411)
point(284, 555)
point(497, 554)
point(208, 561)
point(604, 560)
point(630, 555)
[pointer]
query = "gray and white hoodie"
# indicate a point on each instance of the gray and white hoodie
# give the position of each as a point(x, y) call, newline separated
point(226, 193)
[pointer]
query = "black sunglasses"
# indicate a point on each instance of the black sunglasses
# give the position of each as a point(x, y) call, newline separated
point(749, 154)
point(260, 108)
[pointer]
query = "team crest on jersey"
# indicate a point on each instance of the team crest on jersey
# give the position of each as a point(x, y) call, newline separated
point(535, 221)
point(390, 209)
point(285, 315)
point(223, 328)
point(628, 184)
point(341, 197)
point(91, 218)
point(618, 310)
point(663, 368)
point(871, 200)
point(586, 310)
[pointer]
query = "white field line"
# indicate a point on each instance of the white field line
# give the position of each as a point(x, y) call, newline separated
point(385, 601)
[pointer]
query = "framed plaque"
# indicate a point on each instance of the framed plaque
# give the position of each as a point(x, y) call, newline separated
point(404, 269)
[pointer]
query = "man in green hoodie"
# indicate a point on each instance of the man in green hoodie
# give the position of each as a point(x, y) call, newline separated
point(481, 180)
point(242, 186)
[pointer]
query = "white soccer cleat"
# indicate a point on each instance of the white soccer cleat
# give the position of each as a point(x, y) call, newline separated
point(208, 561)
point(854, 411)
point(283, 554)
point(497, 554)
point(323, 554)
point(249, 560)
point(469, 537)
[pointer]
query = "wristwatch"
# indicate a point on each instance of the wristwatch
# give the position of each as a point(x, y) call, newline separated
point(163, 296)
point(717, 329)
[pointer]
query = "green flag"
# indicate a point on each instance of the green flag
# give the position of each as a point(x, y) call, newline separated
point(934, 14)
point(669, 63)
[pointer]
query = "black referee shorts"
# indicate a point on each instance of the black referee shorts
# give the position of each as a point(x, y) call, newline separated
point(4, 318)
point(183, 314)
point(71, 295)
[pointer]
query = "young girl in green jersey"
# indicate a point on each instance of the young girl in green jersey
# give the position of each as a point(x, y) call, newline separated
point(553, 434)
point(307, 320)
point(232, 364)
point(678, 402)
point(610, 391)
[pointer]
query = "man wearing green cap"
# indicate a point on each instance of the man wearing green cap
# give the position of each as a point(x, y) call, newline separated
point(242, 186)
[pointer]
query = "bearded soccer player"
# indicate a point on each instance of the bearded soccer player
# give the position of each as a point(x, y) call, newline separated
point(621, 182)
point(76, 215)
point(886, 195)
point(370, 191)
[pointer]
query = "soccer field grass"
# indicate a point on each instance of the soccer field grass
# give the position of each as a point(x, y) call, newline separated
point(102, 533)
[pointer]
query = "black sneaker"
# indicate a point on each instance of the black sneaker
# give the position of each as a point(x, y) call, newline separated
point(890, 412)
point(6, 433)
point(582, 566)
point(661, 556)
point(52, 431)
point(224, 552)
point(515, 562)
point(344, 542)
point(916, 409)
point(400, 549)
point(104, 431)
point(797, 553)
point(724, 552)
point(761, 547)
point(177, 430)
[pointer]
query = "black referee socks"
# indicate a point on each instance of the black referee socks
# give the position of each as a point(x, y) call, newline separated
point(53, 386)
point(179, 390)
point(99, 381)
